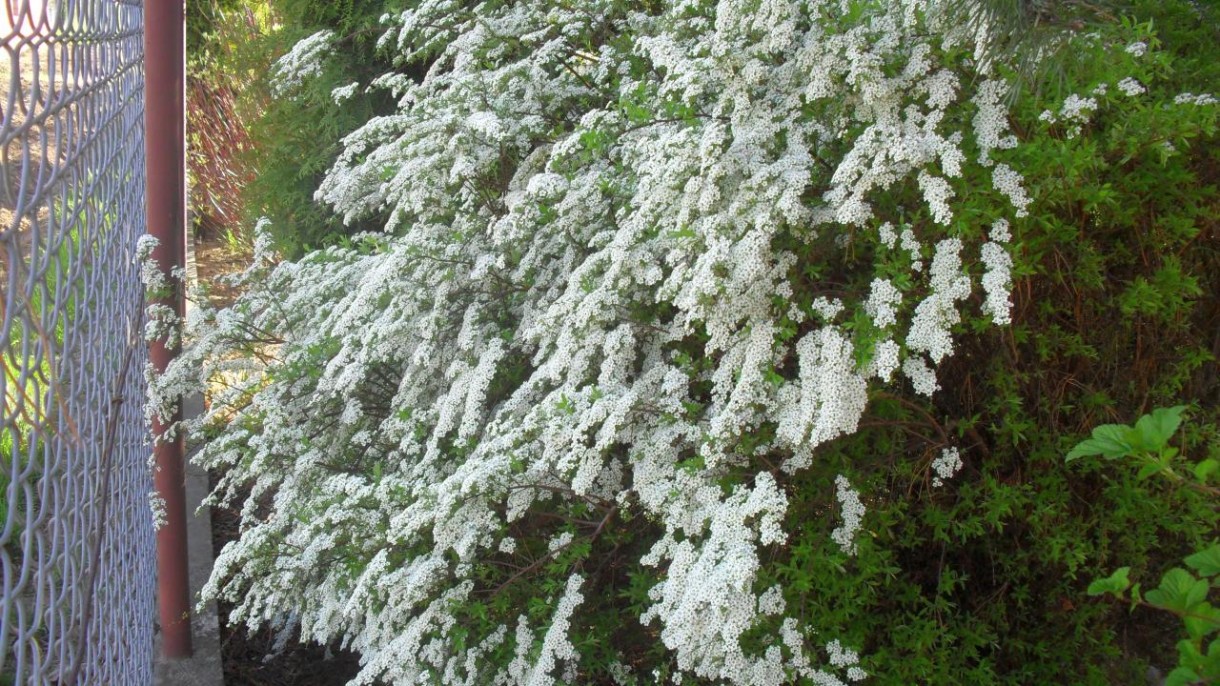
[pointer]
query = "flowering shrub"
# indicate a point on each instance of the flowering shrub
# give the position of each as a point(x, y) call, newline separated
point(572, 418)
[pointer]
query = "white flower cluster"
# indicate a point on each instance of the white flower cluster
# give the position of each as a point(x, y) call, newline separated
point(946, 466)
point(845, 657)
point(1009, 182)
point(156, 505)
point(581, 312)
point(931, 325)
point(303, 62)
point(991, 120)
point(852, 512)
point(1131, 87)
point(162, 324)
point(1076, 112)
point(887, 236)
point(997, 279)
point(343, 93)
point(150, 272)
point(556, 647)
point(1200, 99)
point(883, 298)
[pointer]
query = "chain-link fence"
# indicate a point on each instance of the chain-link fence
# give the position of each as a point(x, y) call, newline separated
point(77, 545)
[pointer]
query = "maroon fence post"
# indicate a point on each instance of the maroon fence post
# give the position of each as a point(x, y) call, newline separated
point(164, 73)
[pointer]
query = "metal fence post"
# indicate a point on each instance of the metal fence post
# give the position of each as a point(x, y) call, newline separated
point(165, 127)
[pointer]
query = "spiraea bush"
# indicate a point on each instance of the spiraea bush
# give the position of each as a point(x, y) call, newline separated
point(729, 342)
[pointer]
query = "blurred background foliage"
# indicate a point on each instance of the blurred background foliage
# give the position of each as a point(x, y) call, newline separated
point(253, 155)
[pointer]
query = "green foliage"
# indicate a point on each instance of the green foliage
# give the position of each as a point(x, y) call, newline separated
point(204, 20)
point(1117, 294)
point(1180, 592)
point(294, 139)
point(1147, 441)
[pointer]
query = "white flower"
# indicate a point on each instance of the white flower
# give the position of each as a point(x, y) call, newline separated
point(1077, 109)
point(304, 61)
point(946, 466)
point(560, 541)
point(937, 193)
point(921, 376)
point(1000, 232)
point(827, 308)
point(342, 93)
point(1137, 49)
point(771, 602)
point(885, 359)
point(1191, 99)
point(991, 120)
point(886, 234)
point(883, 298)
point(852, 512)
point(911, 244)
point(555, 644)
point(841, 656)
point(1076, 112)
point(997, 283)
point(1009, 182)
point(1130, 87)
point(936, 314)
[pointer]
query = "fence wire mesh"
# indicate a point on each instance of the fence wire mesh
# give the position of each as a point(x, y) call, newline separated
point(77, 545)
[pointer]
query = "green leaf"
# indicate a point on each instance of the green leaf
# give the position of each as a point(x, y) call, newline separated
point(1149, 469)
point(1205, 469)
point(1154, 430)
point(1086, 448)
point(1182, 676)
point(1205, 562)
point(1111, 441)
point(1116, 583)
point(1178, 592)
point(1202, 620)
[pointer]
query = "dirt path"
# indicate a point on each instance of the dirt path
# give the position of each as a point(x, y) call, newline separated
point(214, 259)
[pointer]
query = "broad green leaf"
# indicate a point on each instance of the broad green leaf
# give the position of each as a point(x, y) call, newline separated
point(1149, 469)
point(1197, 594)
point(1109, 440)
point(1085, 448)
point(1202, 620)
point(1182, 676)
point(1118, 440)
point(1116, 583)
point(1154, 430)
point(1205, 562)
point(1179, 590)
point(1188, 652)
point(1205, 469)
